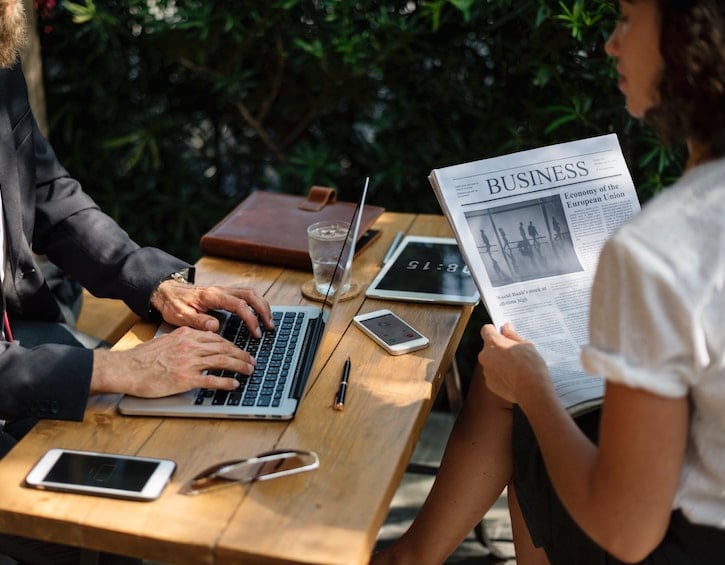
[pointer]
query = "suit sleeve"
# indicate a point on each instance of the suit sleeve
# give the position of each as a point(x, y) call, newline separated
point(49, 381)
point(53, 214)
point(89, 245)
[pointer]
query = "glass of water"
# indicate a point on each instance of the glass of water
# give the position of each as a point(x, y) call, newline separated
point(325, 241)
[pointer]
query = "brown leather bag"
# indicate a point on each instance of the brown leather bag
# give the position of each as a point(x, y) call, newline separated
point(270, 227)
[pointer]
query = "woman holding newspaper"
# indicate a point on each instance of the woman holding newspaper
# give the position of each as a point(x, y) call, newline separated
point(652, 489)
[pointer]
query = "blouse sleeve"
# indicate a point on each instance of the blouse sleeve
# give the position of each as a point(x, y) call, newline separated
point(640, 325)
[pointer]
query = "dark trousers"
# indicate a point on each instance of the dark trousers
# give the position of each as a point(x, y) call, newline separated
point(565, 543)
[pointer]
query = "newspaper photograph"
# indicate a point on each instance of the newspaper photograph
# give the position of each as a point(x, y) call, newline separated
point(530, 226)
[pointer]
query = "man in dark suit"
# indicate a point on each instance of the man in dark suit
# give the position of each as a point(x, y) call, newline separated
point(45, 211)
point(45, 372)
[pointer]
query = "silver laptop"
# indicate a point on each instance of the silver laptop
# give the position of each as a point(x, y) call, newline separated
point(276, 388)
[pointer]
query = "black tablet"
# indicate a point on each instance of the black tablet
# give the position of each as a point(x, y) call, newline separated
point(426, 269)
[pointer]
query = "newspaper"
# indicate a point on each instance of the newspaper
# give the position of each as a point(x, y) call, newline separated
point(531, 226)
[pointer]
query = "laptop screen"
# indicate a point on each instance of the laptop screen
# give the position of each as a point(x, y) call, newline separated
point(336, 324)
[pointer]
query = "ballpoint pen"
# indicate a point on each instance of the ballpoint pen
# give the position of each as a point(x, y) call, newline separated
point(393, 246)
point(339, 403)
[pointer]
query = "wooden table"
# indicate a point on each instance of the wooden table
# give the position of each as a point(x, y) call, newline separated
point(331, 515)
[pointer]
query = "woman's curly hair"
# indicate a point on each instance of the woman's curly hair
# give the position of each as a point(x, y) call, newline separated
point(692, 87)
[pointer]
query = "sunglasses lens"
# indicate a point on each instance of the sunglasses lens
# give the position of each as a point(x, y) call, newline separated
point(213, 470)
point(205, 484)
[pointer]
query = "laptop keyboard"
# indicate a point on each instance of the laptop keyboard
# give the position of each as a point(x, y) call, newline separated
point(273, 352)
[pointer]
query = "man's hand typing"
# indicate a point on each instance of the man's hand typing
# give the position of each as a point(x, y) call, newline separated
point(183, 304)
point(169, 364)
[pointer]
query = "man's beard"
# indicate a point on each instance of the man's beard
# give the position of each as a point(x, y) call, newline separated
point(13, 32)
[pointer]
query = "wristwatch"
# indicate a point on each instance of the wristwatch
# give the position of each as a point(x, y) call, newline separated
point(185, 276)
point(182, 275)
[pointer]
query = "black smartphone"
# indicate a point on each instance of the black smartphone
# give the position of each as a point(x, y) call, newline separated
point(366, 239)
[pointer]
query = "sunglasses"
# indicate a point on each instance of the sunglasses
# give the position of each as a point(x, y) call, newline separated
point(263, 467)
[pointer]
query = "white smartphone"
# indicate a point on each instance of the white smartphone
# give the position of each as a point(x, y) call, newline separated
point(103, 474)
point(390, 332)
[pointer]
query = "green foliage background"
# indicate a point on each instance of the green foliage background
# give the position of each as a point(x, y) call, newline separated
point(171, 111)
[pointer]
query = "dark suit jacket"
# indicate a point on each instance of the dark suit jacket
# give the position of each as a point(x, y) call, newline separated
point(47, 212)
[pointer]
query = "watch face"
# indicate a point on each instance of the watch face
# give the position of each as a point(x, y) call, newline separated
point(183, 276)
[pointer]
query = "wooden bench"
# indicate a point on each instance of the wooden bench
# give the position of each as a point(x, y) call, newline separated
point(105, 318)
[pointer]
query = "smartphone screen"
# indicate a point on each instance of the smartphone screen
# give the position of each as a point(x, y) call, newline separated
point(391, 329)
point(390, 332)
point(104, 474)
point(101, 471)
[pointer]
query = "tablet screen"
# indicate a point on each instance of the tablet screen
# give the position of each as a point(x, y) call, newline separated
point(426, 269)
